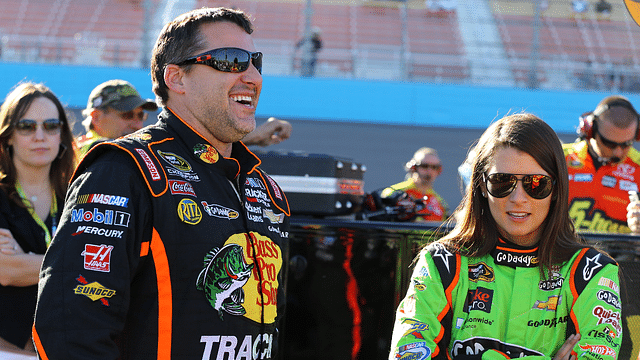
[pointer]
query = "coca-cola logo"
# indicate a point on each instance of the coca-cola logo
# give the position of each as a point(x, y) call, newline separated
point(180, 187)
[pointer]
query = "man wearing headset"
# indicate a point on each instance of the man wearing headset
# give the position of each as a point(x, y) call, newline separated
point(422, 171)
point(604, 168)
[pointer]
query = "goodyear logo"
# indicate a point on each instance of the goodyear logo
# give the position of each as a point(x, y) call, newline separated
point(94, 291)
point(175, 161)
point(189, 212)
point(550, 305)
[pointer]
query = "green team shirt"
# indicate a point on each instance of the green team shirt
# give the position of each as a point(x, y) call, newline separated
point(499, 307)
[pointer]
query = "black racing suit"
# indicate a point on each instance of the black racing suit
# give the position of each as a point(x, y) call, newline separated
point(165, 250)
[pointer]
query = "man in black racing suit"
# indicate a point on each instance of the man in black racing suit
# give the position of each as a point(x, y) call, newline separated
point(170, 244)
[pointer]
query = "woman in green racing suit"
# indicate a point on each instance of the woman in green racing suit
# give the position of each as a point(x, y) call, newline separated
point(512, 279)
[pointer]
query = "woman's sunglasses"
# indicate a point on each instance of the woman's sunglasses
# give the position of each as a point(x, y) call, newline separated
point(500, 185)
point(28, 126)
point(227, 59)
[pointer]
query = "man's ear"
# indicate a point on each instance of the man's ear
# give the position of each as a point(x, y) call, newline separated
point(173, 78)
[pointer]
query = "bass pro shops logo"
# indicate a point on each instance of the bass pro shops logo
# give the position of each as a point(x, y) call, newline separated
point(241, 278)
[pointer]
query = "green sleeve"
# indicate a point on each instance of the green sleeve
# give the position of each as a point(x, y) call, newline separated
point(418, 328)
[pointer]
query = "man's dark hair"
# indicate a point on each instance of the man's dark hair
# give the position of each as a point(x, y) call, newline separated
point(181, 39)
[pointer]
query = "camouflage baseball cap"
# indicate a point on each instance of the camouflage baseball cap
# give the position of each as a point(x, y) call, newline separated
point(120, 95)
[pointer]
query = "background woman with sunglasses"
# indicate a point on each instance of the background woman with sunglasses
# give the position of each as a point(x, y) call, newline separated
point(512, 279)
point(35, 168)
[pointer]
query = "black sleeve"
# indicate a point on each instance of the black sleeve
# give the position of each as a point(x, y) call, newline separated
point(84, 287)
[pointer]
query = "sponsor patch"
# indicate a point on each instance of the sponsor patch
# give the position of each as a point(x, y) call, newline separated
point(415, 328)
point(155, 175)
point(180, 187)
point(592, 265)
point(419, 286)
point(610, 284)
point(175, 160)
point(219, 211)
point(582, 177)
point(413, 351)
point(206, 153)
point(276, 189)
point(93, 230)
point(94, 291)
point(554, 282)
point(626, 185)
point(482, 272)
point(273, 217)
point(97, 257)
point(609, 298)
point(551, 304)
point(605, 316)
point(108, 217)
point(609, 181)
point(256, 183)
point(479, 299)
point(599, 349)
point(103, 199)
point(515, 259)
point(189, 212)
point(221, 346)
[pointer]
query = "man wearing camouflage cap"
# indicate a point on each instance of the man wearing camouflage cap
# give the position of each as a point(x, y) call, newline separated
point(114, 109)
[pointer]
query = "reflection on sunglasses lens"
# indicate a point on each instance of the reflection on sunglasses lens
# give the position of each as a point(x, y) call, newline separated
point(28, 126)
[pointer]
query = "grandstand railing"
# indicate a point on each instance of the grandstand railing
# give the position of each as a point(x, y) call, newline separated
point(390, 40)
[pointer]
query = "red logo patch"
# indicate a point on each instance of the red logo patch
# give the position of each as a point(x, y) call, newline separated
point(97, 257)
point(181, 187)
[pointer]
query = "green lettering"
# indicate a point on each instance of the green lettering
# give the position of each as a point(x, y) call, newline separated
point(578, 213)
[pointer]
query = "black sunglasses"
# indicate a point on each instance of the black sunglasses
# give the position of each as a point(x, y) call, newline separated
point(612, 144)
point(28, 126)
point(227, 59)
point(537, 186)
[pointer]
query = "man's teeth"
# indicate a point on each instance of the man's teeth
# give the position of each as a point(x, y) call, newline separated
point(241, 99)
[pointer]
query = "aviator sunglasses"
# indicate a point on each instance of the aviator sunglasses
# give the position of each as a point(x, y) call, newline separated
point(500, 185)
point(28, 126)
point(227, 59)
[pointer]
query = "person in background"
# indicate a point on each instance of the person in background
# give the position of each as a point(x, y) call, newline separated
point(114, 109)
point(422, 171)
point(170, 245)
point(36, 163)
point(512, 279)
point(310, 46)
point(604, 167)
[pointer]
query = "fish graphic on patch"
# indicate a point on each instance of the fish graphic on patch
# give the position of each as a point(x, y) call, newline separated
point(225, 273)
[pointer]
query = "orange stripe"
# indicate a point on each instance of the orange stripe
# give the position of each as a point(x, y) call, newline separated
point(284, 197)
point(501, 353)
point(516, 250)
point(572, 286)
point(144, 249)
point(165, 300)
point(448, 291)
point(38, 343)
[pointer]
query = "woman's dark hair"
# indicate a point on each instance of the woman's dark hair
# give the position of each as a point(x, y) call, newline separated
point(15, 106)
point(476, 232)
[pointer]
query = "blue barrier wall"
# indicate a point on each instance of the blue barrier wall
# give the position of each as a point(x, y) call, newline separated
point(420, 104)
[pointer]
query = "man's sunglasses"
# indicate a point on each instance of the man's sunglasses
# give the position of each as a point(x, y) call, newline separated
point(28, 126)
point(537, 186)
point(227, 59)
point(612, 144)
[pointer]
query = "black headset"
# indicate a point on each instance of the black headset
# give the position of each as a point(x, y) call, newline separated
point(588, 124)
